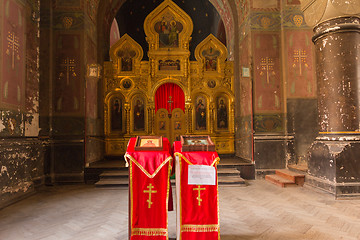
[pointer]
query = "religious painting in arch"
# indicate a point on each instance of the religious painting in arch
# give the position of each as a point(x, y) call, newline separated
point(116, 111)
point(138, 106)
point(222, 113)
point(211, 56)
point(168, 29)
point(200, 113)
point(126, 54)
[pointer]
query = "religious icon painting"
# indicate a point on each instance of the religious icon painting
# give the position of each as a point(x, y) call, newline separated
point(177, 125)
point(149, 143)
point(169, 65)
point(126, 55)
point(211, 56)
point(177, 115)
point(116, 114)
point(211, 83)
point(162, 125)
point(126, 84)
point(200, 113)
point(222, 113)
point(138, 114)
point(168, 29)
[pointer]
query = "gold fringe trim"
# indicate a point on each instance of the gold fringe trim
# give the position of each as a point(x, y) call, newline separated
point(200, 228)
point(149, 232)
point(143, 169)
point(215, 162)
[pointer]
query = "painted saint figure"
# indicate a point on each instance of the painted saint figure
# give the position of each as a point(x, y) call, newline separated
point(168, 30)
point(139, 124)
point(200, 113)
point(116, 115)
point(222, 116)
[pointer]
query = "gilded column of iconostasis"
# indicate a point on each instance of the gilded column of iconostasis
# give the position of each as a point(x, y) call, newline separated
point(277, 83)
point(170, 94)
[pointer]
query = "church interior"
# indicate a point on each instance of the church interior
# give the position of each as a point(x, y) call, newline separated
point(274, 83)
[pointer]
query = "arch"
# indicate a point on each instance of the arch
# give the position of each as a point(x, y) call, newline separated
point(108, 106)
point(170, 80)
point(172, 92)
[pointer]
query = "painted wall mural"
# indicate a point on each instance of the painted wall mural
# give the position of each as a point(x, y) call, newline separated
point(68, 66)
point(13, 48)
point(300, 69)
point(267, 75)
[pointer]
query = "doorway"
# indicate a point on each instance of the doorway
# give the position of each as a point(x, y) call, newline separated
point(169, 111)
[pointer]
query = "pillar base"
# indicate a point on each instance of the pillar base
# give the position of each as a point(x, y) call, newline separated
point(334, 166)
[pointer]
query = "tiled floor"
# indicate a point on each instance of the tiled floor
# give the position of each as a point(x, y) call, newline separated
point(259, 211)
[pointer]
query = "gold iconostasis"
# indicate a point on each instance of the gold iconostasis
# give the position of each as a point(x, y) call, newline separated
point(169, 95)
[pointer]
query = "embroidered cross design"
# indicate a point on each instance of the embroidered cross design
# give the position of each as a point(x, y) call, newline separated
point(150, 191)
point(198, 197)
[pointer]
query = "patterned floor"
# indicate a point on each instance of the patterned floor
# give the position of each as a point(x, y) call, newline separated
point(259, 211)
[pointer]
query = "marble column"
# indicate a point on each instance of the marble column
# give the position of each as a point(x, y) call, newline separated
point(334, 162)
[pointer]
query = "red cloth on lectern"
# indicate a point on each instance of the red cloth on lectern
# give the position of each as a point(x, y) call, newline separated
point(149, 189)
point(197, 222)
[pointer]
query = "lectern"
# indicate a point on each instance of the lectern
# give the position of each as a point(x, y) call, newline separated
point(197, 198)
point(150, 163)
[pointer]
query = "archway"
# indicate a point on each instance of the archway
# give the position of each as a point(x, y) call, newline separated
point(169, 111)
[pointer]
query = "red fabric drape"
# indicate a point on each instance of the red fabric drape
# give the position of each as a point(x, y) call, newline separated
point(164, 92)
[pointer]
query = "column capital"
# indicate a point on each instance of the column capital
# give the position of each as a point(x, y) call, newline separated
point(319, 11)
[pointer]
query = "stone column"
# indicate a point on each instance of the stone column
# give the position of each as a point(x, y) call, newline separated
point(334, 163)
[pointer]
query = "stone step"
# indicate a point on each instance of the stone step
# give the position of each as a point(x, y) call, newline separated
point(112, 182)
point(231, 180)
point(114, 174)
point(280, 181)
point(297, 178)
point(228, 172)
point(300, 168)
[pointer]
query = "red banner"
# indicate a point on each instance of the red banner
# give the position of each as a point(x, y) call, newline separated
point(149, 188)
point(198, 205)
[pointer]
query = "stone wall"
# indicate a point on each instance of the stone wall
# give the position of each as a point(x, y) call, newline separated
point(21, 152)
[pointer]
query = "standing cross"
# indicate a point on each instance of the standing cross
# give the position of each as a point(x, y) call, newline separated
point(170, 102)
point(13, 45)
point(198, 197)
point(69, 64)
point(268, 65)
point(150, 191)
point(300, 56)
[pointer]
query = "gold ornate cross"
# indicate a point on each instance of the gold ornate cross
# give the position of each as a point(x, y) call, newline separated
point(13, 45)
point(170, 102)
point(300, 56)
point(267, 65)
point(69, 65)
point(198, 197)
point(150, 191)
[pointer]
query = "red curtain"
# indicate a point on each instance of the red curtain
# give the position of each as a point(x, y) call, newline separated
point(163, 95)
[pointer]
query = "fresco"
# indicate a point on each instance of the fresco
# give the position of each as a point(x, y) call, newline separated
point(13, 49)
point(267, 74)
point(68, 72)
point(300, 70)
